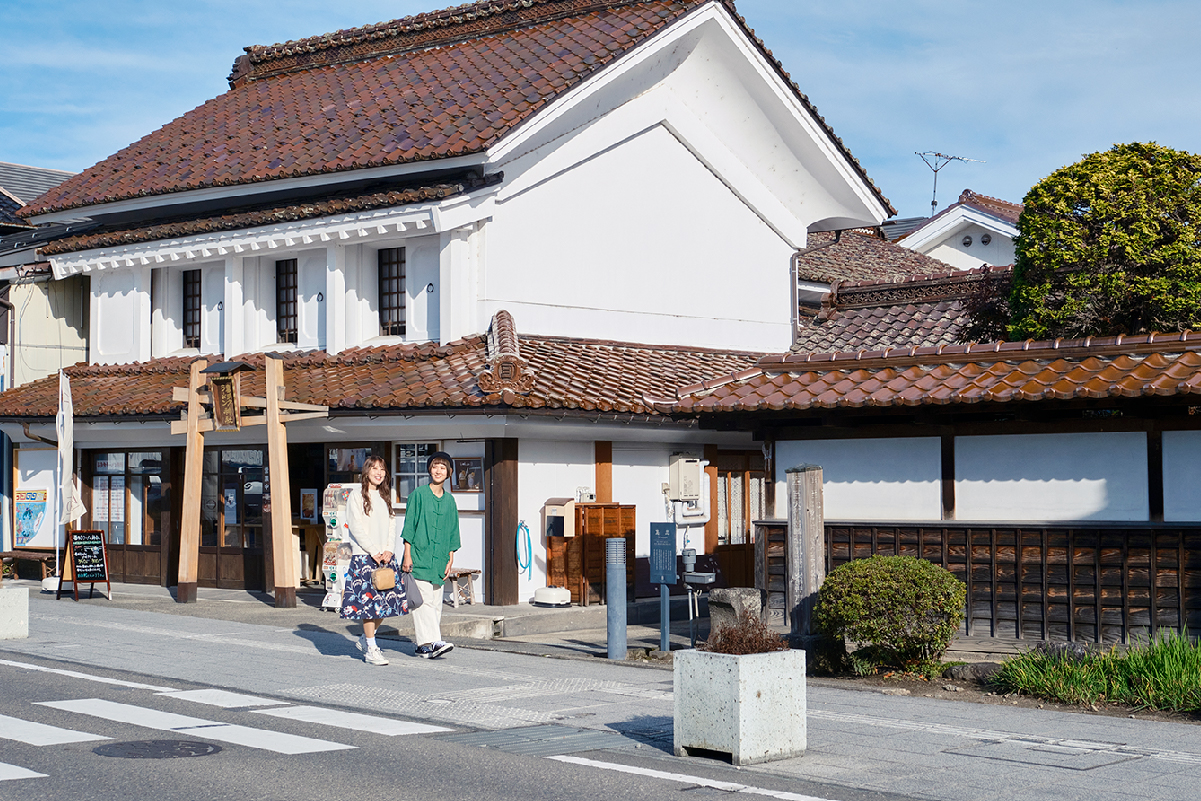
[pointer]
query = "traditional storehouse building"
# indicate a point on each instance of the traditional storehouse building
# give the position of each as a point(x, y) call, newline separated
point(973, 231)
point(489, 230)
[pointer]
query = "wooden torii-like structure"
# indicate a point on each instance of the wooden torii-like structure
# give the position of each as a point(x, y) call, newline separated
point(217, 387)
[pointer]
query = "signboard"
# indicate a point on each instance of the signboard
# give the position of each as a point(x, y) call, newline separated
point(87, 560)
point(34, 498)
point(227, 411)
point(663, 553)
point(29, 509)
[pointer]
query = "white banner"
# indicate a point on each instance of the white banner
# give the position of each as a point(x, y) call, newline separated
point(64, 427)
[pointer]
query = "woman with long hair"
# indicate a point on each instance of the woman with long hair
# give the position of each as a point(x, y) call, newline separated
point(372, 536)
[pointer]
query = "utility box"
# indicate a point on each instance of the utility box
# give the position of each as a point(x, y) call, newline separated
point(558, 517)
point(684, 478)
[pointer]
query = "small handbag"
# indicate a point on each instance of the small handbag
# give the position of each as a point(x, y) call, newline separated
point(383, 578)
point(411, 592)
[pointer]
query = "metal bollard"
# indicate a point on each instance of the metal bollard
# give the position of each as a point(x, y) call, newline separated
point(615, 595)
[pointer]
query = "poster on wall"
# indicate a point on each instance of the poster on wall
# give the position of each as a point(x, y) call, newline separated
point(29, 508)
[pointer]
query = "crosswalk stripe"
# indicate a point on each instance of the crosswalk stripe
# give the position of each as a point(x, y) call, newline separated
point(31, 733)
point(197, 727)
point(77, 675)
point(351, 720)
point(221, 698)
point(9, 772)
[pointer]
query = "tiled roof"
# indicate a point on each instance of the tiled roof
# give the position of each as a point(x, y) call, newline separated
point(1009, 212)
point(9, 221)
point(433, 86)
point(26, 183)
point(916, 311)
point(1159, 365)
point(251, 217)
point(587, 375)
point(860, 256)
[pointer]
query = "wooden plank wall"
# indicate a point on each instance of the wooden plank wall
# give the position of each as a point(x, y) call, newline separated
point(1078, 583)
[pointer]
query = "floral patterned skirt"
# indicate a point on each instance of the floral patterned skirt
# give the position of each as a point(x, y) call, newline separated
point(361, 601)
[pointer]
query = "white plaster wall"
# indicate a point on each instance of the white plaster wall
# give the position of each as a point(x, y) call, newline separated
point(50, 327)
point(258, 303)
point(951, 249)
point(639, 472)
point(1037, 477)
point(587, 254)
point(310, 299)
point(212, 297)
point(547, 469)
point(868, 479)
point(1181, 476)
point(422, 268)
point(120, 324)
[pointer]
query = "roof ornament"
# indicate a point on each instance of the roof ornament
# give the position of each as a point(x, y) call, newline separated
point(936, 161)
point(506, 369)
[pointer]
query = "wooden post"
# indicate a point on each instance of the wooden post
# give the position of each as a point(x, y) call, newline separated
point(283, 566)
point(806, 548)
point(604, 471)
point(189, 531)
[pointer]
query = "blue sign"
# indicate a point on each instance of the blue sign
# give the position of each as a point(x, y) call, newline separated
point(663, 553)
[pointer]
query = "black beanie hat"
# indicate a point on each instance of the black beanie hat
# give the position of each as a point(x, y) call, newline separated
point(440, 455)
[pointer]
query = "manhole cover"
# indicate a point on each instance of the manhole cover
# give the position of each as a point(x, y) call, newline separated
point(157, 749)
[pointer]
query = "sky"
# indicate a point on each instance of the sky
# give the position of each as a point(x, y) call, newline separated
point(1021, 87)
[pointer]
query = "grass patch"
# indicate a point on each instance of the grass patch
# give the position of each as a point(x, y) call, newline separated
point(1163, 674)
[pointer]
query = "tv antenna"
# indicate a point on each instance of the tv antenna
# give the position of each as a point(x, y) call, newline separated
point(936, 161)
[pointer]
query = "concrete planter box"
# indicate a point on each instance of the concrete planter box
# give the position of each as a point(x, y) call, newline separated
point(751, 707)
point(14, 613)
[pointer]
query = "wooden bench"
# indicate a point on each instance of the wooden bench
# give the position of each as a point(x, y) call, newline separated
point(461, 588)
point(45, 559)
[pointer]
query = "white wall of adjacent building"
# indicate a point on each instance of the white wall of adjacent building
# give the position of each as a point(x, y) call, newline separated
point(1181, 476)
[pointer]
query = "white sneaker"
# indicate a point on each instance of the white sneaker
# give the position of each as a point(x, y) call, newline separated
point(374, 656)
point(361, 643)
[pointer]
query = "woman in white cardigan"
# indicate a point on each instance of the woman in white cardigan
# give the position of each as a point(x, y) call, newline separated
point(372, 536)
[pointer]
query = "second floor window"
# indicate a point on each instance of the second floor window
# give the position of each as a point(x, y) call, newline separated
point(392, 292)
point(191, 308)
point(285, 301)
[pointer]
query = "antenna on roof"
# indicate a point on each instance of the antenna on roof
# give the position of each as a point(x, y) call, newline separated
point(936, 161)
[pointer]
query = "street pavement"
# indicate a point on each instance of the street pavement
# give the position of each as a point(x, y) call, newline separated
point(604, 720)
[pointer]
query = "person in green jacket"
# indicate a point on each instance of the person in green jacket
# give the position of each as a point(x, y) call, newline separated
point(431, 537)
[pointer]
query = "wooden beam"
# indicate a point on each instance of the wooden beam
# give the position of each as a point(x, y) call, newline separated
point(711, 524)
point(189, 532)
point(604, 471)
point(502, 579)
point(180, 394)
point(283, 564)
point(206, 424)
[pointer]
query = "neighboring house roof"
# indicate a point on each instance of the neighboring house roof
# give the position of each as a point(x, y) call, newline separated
point(495, 371)
point(1151, 365)
point(916, 311)
point(428, 87)
point(899, 227)
point(254, 216)
point(860, 255)
point(9, 221)
point(26, 184)
point(1000, 216)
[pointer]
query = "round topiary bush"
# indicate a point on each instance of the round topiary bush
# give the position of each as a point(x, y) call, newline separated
point(898, 606)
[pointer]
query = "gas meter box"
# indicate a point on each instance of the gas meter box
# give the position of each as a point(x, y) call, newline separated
point(684, 478)
point(335, 555)
point(558, 517)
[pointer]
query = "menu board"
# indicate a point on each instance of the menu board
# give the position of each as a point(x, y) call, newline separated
point(88, 560)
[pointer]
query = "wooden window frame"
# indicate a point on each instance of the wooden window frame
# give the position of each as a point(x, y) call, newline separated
point(286, 302)
point(392, 272)
point(193, 306)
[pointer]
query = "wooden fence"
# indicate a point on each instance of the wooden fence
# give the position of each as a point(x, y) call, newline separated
point(1078, 583)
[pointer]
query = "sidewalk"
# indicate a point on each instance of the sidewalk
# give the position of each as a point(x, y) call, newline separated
point(930, 749)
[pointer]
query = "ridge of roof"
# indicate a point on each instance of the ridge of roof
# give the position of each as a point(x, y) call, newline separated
point(950, 276)
point(857, 255)
point(993, 205)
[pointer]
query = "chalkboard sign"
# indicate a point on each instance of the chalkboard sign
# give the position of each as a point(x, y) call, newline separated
point(663, 553)
point(88, 561)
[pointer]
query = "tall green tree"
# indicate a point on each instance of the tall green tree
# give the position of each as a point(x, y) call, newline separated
point(1110, 245)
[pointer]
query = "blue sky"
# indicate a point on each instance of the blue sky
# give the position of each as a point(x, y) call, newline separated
point(1024, 86)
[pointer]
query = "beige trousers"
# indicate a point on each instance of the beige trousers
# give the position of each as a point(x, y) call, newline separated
point(427, 618)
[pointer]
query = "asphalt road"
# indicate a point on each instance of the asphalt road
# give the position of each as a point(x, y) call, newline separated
point(102, 734)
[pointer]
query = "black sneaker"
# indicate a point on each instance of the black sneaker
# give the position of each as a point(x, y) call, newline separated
point(440, 648)
point(424, 651)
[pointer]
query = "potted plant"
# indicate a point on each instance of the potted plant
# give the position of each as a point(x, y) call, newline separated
point(742, 693)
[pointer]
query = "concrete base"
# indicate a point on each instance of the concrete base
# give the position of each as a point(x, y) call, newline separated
point(751, 707)
point(14, 613)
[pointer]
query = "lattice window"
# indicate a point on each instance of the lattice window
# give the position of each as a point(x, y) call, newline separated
point(741, 495)
point(192, 308)
point(285, 301)
point(392, 292)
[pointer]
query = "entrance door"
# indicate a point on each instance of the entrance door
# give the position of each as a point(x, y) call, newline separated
point(231, 519)
point(130, 505)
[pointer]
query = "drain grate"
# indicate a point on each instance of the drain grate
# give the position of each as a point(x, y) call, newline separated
point(157, 749)
point(550, 740)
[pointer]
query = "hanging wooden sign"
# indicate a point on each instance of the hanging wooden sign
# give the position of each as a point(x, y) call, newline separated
point(227, 410)
point(87, 561)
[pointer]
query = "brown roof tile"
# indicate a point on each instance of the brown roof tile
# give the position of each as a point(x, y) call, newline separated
point(860, 255)
point(432, 86)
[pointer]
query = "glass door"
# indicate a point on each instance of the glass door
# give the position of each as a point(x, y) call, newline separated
point(231, 525)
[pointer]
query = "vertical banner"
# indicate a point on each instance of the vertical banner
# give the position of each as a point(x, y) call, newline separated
point(29, 510)
point(64, 427)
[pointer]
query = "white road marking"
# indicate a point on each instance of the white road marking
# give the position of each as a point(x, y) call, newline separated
point(351, 720)
point(683, 778)
point(8, 772)
point(221, 698)
point(88, 677)
point(31, 733)
point(197, 727)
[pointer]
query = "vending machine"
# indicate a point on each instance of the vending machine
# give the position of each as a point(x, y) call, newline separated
point(335, 555)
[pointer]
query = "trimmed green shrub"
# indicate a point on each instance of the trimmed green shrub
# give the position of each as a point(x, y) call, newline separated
point(905, 610)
